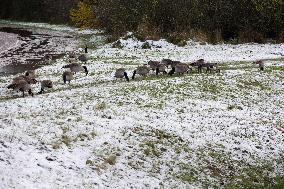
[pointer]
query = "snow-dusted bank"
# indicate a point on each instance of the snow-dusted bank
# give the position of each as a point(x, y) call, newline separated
point(191, 131)
point(8, 41)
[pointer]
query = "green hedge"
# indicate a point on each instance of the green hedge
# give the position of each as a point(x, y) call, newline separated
point(214, 20)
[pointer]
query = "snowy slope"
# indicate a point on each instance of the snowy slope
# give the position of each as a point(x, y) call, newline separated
point(191, 131)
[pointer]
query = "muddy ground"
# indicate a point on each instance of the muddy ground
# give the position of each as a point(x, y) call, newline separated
point(35, 47)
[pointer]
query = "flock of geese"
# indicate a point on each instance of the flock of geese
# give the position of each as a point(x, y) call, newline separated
point(164, 65)
point(23, 83)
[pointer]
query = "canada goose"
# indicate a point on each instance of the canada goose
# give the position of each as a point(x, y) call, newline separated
point(260, 64)
point(153, 64)
point(120, 73)
point(30, 73)
point(141, 70)
point(161, 68)
point(75, 67)
point(83, 57)
point(45, 84)
point(167, 62)
point(210, 67)
point(28, 79)
point(180, 68)
point(67, 76)
point(199, 64)
point(86, 49)
point(22, 86)
point(174, 63)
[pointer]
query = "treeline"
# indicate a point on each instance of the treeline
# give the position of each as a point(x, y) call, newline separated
point(207, 20)
point(52, 11)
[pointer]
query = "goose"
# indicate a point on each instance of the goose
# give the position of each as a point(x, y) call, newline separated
point(153, 64)
point(67, 76)
point(199, 64)
point(202, 64)
point(167, 62)
point(174, 63)
point(28, 79)
point(161, 68)
point(22, 86)
point(210, 66)
point(120, 73)
point(141, 70)
point(75, 67)
point(180, 68)
point(45, 84)
point(83, 57)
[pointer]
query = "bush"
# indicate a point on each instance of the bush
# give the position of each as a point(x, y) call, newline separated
point(83, 16)
point(246, 20)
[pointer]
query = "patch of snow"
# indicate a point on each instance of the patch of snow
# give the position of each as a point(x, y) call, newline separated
point(194, 50)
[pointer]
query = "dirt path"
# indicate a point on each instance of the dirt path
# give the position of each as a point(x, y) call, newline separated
point(35, 45)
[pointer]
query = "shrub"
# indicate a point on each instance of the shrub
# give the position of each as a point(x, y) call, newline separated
point(83, 15)
point(245, 20)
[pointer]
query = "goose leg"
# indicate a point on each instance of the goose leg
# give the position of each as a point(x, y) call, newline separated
point(157, 71)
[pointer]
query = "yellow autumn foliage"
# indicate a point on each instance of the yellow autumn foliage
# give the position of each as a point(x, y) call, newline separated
point(83, 15)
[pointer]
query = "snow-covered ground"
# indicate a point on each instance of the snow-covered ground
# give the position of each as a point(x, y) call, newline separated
point(191, 131)
point(8, 41)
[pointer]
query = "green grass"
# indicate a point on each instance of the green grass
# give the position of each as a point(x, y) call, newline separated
point(68, 140)
point(253, 85)
point(230, 172)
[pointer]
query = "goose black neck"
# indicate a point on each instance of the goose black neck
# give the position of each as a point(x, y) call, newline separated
point(86, 70)
point(172, 71)
point(126, 76)
point(133, 74)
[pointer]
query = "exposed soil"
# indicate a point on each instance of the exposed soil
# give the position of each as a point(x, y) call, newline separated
point(35, 47)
